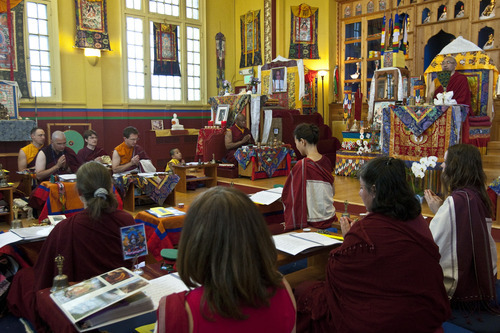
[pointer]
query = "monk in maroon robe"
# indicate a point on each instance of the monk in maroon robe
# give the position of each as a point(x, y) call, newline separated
point(90, 152)
point(458, 84)
point(56, 159)
point(237, 136)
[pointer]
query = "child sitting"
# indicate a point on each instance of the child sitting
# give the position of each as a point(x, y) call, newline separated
point(176, 156)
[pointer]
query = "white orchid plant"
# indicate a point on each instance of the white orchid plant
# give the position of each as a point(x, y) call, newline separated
point(418, 172)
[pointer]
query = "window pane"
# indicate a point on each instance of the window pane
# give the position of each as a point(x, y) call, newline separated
point(39, 54)
point(135, 58)
point(133, 4)
point(168, 7)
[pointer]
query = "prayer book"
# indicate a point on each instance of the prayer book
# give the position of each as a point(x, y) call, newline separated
point(164, 212)
point(296, 242)
point(267, 197)
point(104, 299)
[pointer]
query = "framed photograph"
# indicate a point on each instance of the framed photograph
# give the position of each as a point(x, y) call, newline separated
point(222, 113)
point(278, 76)
point(55, 219)
point(156, 125)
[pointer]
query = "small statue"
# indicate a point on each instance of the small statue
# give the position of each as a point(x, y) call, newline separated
point(461, 13)
point(60, 280)
point(175, 123)
point(489, 42)
point(356, 75)
point(4, 113)
point(488, 11)
point(428, 18)
point(354, 127)
point(443, 15)
point(213, 159)
point(3, 177)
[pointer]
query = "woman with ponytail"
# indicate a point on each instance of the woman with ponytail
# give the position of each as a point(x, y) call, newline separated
point(90, 240)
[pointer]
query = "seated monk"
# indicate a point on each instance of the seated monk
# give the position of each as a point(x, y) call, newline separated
point(91, 152)
point(27, 154)
point(237, 136)
point(458, 84)
point(56, 158)
point(128, 154)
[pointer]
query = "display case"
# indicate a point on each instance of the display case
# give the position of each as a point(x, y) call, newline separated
point(387, 84)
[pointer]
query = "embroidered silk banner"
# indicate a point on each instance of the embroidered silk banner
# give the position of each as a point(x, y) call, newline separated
point(19, 60)
point(251, 52)
point(91, 24)
point(220, 48)
point(166, 61)
point(304, 32)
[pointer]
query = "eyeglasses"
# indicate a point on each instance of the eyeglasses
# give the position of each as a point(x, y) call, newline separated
point(447, 62)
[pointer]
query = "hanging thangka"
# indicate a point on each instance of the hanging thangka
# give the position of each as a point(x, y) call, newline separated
point(220, 48)
point(18, 60)
point(91, 24)
point(166, 60)
point(251, 53)
point(304, 32)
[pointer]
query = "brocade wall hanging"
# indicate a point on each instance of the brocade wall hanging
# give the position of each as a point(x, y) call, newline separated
point(220, 49)
point(166, 61)
point(91, 24)
point(304, 32)
point(18, 60)
point(251, 52)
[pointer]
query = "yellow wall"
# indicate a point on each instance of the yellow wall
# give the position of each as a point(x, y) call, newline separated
point(100, 86)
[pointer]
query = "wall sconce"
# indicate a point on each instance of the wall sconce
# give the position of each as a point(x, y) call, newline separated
point(322, 73)
point(92, 56)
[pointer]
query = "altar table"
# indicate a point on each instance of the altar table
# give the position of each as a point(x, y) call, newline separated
point(158, 188)
point(61, 198)
point(411, 133)
point(264, 162)
point(348, 162)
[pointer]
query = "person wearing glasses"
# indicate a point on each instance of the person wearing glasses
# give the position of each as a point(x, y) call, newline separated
point(128, 154)
point(386, 276)
point(458, 84)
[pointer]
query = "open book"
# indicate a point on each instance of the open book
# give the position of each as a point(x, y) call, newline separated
point(296, 242)
point(164, 212)
point(105, 298)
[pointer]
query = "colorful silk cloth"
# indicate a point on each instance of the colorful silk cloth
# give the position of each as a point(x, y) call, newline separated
point(157, 188)
point(438, 128)
point(91, 24)
point(161, 233)
point(62, 199)
point(166, 60)
point(237, 104)
point(220, 49)
point(347, 163)
point(304, 32)
point(268, 158)
point(495, 186)
point(204, 135)
point(251, 52)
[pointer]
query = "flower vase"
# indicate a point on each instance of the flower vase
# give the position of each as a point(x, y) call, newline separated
point(254, 89)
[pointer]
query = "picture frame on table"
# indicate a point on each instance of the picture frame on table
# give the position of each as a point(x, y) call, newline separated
point(221, 114)
point(55, 219)
point(278, 80)
point(157, 124)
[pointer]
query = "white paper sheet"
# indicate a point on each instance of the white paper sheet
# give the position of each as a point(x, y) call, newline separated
point(163, 286)
point(8, 237)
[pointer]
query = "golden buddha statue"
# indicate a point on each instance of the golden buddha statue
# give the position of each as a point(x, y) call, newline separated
point(489, 10)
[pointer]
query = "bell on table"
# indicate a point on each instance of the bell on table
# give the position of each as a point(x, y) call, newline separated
point(346, 213)
point(60, 280)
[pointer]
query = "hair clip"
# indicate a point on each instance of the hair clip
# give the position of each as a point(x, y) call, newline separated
point(389, 161)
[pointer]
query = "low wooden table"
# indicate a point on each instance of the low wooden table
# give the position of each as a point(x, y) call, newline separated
point(210, 175)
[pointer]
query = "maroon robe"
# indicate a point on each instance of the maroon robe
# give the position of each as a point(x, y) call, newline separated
point(89, 248)
point(86, 155)
point(385, 277)
point(51, 157)
point(461, 92)
point(294, 196)
point(238, 135)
